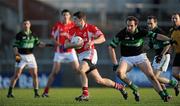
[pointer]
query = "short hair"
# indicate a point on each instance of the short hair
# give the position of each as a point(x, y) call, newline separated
point(64, 11)
point(152, 17)
point(132, 18)
point(176, 14)
point(80, 15)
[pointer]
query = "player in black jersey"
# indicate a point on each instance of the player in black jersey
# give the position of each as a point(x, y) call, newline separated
point(131, 41)
point(23, 47)
point(162, 57)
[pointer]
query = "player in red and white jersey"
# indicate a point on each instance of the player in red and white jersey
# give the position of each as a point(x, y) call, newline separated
point(60, 35)
point(87, 54)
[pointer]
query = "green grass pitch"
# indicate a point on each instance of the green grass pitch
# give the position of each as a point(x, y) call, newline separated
point(98, 97)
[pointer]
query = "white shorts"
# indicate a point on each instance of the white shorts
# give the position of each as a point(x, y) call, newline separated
point(134, 60)
point(65, 57)
point(90, 55)
point(163, 65)
point(27, 60)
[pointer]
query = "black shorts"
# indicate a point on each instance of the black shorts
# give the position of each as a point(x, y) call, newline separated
point(91, 66)
point(177, 60)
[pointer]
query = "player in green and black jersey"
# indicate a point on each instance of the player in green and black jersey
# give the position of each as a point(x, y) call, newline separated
point(162, 57)
point(23, 46)
point(131, 41)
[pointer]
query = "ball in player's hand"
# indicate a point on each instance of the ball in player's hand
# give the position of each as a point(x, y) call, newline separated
point(77, 40)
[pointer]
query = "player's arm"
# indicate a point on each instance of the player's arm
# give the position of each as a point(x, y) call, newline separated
point(111, 48)
point(162, 37)
point(99, 40)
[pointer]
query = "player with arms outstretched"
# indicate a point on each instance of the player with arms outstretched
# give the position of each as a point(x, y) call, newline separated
point(131, 40)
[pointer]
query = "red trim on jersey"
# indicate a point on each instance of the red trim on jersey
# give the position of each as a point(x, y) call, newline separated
point(88, 33)
point(60, 32)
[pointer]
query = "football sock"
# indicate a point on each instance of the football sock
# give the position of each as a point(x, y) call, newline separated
point(85, 91)
point(165, 91)
point(46, 90)
point(118, 86)
point(172, 83)
point(10, 90)
point(162, 94)
point(35, 91)
point(133, 87)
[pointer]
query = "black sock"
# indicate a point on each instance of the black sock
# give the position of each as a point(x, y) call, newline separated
point(10, 90)
point(35, 91)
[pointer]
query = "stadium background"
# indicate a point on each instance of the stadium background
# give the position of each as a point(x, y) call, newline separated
point(108, 15)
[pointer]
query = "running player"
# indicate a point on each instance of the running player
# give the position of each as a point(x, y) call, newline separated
point(175, 35)
point(87, 54)
point(162, 58)
point(131, 40)
point(23, 47)
point(60, 36)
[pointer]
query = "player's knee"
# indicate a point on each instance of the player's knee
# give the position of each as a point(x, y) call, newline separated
point(16, 76)
point(152, 77)
point(121, 75)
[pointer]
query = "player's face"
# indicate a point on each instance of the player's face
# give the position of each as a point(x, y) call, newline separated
point(78, 22)
point(66, 16)
point(26, 25)
point(131, 26)
point(151, 24)
point(175, 19)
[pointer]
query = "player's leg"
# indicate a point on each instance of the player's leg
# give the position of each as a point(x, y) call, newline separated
point(147, 69)
point(18, 70)
point(176, 72)
point(83, 68)
point(58, 58)
point(74, 61)
point(13, 81)
point(33, 70)
point(176, 75)
point(34, 74)
point(122, 70)
point(107, 82)
point(54, 72)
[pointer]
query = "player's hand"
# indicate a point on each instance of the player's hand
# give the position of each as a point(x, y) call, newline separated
point(173, 42)
point(158, 58)
point(115, 66)
point(88, 45)
point(18, 58)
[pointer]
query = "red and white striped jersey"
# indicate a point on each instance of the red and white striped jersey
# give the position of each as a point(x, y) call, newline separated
point(88, 33)
point(60, 34)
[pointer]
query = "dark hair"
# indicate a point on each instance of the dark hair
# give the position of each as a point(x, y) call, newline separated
point(64, 11)
point(80, 15)
point(152, 17)
point(176, 14)
point(132, 18)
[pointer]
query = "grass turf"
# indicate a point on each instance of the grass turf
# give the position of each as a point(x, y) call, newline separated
point(98, 97)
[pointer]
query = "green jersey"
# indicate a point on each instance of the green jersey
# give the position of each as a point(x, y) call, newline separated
point(25, 42)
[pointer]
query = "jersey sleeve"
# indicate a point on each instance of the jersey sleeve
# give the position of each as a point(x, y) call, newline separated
point(115, 41)
point(36, 41)
point(16, 42)
point(97, 32)
point(54, 31)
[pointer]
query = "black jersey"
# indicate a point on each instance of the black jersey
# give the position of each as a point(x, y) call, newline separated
point(158, 45)
point(25, 43)
point(131, 44)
